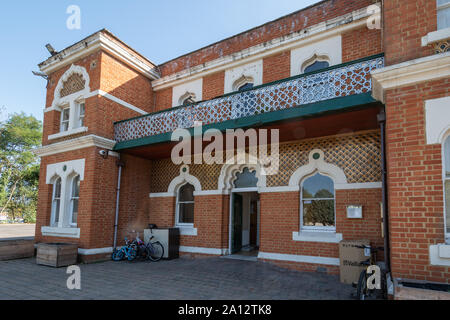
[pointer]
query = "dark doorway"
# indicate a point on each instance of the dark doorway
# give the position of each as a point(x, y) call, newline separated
point(236, 233)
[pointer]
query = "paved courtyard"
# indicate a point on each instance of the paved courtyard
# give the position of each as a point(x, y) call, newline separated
point(184, 278)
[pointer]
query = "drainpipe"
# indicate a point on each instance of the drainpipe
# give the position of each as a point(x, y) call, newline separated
point(120, 164)
point(382, 121)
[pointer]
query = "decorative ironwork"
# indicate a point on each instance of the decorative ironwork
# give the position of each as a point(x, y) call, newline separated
point(338, 81)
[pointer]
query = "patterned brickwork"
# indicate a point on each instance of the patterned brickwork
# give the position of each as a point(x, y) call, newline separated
point(358, 155)
point(73, 84)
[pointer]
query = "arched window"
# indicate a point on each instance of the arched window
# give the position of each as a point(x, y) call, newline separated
point(317, 65)
point(56, 202)
point(447, 187)
point(74, 198)
point(187, 99)
point(245, 86)
point(317, 203)
point(185, 205)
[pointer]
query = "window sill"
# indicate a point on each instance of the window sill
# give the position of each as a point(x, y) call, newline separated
point(60, 232)
point(436, 36)
point(187, 231)
point(67, 133)
point(317, 236)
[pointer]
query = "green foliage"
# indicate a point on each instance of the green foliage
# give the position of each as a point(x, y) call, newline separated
point(19, 167)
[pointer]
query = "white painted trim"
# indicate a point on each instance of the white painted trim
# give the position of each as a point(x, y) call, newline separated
point(436, 36)
point(67, 133)
point(60, 232)
point(279, 189)
point(437, 119)
point(239, 75)
point(182, 179)
point(117, 100)
point(213, 251)
point(317, 32)
point(299, 258)
point(57, 99)
point(311, 236)
point(362, 185)
point(318, 165)
point(89, 252)
point(181, 92)
point(244, 190)
point(187, 231)
point(93, 43)
point(162, 195)
point(75, 144)
point(209, 193)
point(71, 167)
point(439, 255)
point(411, 72)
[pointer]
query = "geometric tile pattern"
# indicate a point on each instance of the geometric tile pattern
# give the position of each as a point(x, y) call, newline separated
point(346, 80)
point(359, 155)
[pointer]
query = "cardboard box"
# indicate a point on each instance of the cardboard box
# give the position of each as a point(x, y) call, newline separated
point(350, 260)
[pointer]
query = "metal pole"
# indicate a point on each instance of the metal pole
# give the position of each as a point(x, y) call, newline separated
point(116, 222)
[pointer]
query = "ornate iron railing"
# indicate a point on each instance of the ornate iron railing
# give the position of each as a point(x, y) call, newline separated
point(333, 82)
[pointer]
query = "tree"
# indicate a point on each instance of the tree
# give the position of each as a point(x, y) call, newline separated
point(19, 167)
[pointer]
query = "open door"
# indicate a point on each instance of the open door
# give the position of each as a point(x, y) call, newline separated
point(236, 233)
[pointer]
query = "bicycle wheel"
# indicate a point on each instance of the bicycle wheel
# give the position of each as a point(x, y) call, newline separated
point(132, 253)
point(156, 251)
point(117, 255)
point(361, 291)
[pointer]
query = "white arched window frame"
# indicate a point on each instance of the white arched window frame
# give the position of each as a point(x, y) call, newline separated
point(315, 59)
point(186, 99)
point(74, 200)
point(303, 200)
point(184, 203)
point(72, 107)
point(446, 183)
point(243, 83)
point(56, 202)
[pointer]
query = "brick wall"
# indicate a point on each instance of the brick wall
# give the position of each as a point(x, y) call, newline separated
point(415, 182)
point(405, 23)
point(277, 67)
point(360, 43)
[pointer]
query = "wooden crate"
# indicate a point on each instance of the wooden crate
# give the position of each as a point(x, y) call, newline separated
point(57, 254)
point(16, 248)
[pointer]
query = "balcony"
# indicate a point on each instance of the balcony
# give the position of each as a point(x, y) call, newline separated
point(335, 87)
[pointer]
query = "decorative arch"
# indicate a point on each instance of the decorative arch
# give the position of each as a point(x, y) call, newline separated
point(231, 168)
point(317, 164)
point(241, 81)
point(182, 179)
point(74, 69)
point(185, 96)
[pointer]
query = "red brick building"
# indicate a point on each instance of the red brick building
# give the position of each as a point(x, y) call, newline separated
point(350, 93)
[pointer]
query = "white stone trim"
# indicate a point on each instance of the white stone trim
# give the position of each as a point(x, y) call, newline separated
point(440, 255)
point(89, 252)
point(409, 73)
point(213, 251)
point(61, 232)
point(299, 258)
point(75, 144)
point(187, 231)
point(279, 189)
point(74, 166)
point(437, 118)
point(316, 236)
point(319, 165)
point(436, 36)
point(182, 179)
point(317, 32)
point(362, 185)
point(67, 133)
point(162, 195)
point(57, 100)
point(182, 91)
point(93, 43)
point(117, 100)
point(235, 77)
point(330, 48)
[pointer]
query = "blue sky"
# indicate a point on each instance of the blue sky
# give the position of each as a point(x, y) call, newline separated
point(160, 30)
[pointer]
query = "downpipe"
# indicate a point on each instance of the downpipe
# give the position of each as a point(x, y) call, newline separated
point(120, 164)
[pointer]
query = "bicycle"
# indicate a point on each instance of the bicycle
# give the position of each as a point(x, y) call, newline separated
point(153, 251)
point(128, 251)
point(362, 290)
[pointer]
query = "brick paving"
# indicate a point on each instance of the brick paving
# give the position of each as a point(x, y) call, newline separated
point(184, 278)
